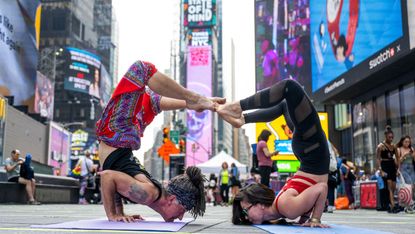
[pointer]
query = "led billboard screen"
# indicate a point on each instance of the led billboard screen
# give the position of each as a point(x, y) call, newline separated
point(351, 39)
point(282, 48)
point(83, 71)
point(199, 124)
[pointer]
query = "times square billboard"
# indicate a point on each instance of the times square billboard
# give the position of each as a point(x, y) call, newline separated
point(352, 39)
point(86, 74)
point(83, 71)
point(199, 13)
point(328, 46)
point(199, 124)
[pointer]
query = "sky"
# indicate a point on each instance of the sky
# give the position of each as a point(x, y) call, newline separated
point(145, 33)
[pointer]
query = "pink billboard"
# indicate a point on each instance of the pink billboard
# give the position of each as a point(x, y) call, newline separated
point(199, 124)
point(59, 140)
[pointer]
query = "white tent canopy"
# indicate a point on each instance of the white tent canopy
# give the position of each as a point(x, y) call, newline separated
point(214, 165)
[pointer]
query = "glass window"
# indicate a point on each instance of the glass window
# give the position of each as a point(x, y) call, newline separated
point(58, 23)
point(408, 112)
point(381, 117)
point(395, 113)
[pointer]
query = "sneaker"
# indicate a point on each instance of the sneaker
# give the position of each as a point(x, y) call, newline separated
point(409, 210)
point(330, 209)
point(82, 202)
point(34, 202)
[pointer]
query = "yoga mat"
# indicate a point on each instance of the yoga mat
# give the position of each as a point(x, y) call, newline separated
point(335, 229)
point(150, 224)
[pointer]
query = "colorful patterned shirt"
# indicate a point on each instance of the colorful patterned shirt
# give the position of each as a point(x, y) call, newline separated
point(130, 110)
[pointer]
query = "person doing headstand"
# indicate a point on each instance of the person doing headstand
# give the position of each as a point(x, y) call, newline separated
point(142, 93)
point(305, 193)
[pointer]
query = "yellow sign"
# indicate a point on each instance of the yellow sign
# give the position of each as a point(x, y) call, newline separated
point(280, 131)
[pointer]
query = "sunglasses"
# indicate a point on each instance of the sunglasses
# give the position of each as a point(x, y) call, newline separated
point(245, 211)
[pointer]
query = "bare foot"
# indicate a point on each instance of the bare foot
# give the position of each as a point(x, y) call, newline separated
point(232, 109)
point(230, 117)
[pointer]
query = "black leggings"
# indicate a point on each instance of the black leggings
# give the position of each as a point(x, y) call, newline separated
point(309, 142)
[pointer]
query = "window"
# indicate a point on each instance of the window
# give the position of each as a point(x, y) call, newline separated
point(76, 26)
point(408, 110)
point(395, 113)
point(59, 23)
point(381, 116)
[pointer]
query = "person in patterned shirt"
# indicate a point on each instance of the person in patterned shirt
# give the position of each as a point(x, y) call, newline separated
point(142, 93)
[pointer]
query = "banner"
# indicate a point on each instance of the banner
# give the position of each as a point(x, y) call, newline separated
point(199, 124)
point(83, 71)
point(59, 140)
point(282, 48)
point(44, 96)
point(351, 39)
point(199, 13)
point(199, 37)
point(19, 55)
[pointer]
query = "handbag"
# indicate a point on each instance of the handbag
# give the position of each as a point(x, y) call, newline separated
point(404, 192)
point(341, 203)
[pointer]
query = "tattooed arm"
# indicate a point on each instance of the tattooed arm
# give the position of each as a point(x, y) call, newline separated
point(117, 182)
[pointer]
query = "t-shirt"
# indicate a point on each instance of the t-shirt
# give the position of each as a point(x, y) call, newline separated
point(16, 170)
point(86, 163)
point(224, 177)
point(263, 160)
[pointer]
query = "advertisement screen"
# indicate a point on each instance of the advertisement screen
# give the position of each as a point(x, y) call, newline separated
point(19, 55)
point(83, 72)
point(199, 37)
point(105, 87)
point(59, 141)
point(347, 35)
point(199, 13)
point(199, 124)
point(281, 136)
point(44, 96)
point(282, 48)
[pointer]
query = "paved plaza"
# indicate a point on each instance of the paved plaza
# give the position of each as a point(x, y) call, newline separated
point(18, 218)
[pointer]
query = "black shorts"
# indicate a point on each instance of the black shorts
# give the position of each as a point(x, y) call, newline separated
point(389, 167)
point(14, 179)
point(235, 182)
point(123, 160)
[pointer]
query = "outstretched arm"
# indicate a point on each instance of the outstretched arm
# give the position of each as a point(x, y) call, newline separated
point(167, 87)
point(117, 182)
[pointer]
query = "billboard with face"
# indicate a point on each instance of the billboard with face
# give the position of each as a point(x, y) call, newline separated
point(83, 71)
point(282, 48)
point(199, 13)
point(44, 96)
point(350, 39)
point(199, 124)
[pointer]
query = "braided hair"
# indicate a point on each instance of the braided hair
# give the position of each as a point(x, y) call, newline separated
point(189, 190)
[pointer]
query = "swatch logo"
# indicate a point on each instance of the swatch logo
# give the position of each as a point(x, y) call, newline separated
point(383, 57)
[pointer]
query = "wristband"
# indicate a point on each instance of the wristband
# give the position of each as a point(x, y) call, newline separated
point(315, 220)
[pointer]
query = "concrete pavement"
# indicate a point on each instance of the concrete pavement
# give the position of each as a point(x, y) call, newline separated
point(18, 218)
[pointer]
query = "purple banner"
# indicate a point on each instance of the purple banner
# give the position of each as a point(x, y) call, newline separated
point(58, 149)
point(199, 124)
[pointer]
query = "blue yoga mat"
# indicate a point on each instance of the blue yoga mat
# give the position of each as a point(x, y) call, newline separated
point(334, 229)
point(149, 225)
